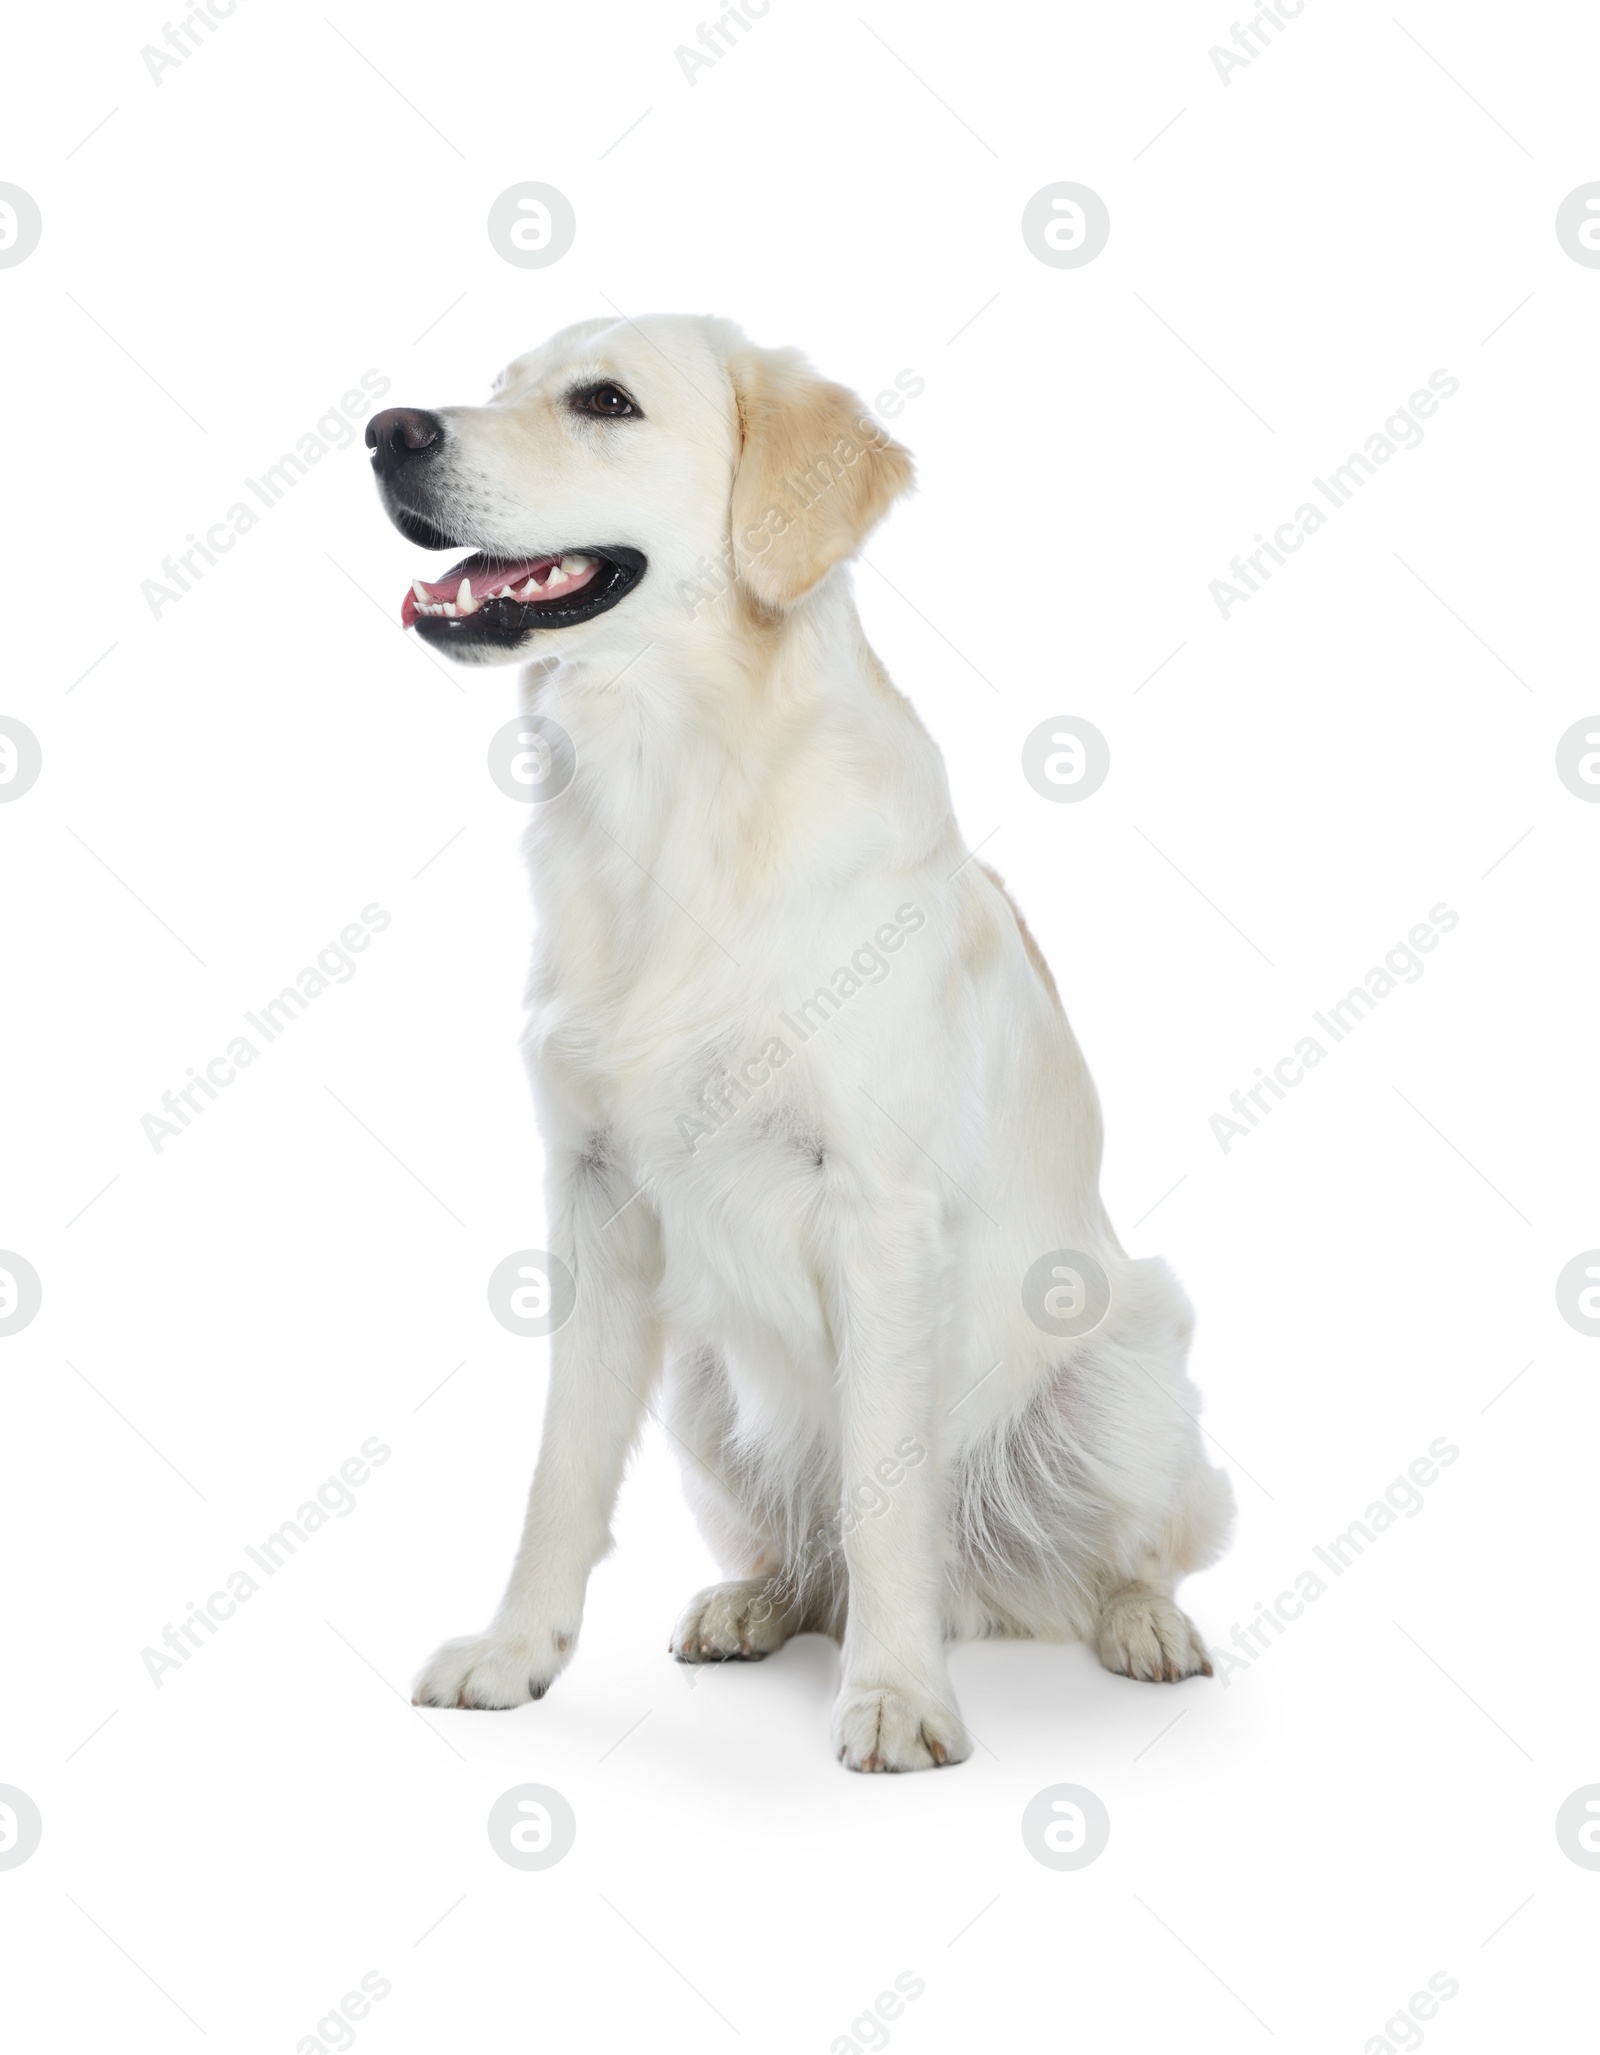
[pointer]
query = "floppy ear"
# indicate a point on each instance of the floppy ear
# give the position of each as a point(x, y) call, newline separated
point(815, 474)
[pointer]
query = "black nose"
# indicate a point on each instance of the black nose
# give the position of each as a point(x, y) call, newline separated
point(399, 433)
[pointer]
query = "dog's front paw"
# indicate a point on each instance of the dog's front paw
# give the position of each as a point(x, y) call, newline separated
point(491, 1672)
point(879, 1728)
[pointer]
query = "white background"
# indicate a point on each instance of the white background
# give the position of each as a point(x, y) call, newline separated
point(1372, 1800)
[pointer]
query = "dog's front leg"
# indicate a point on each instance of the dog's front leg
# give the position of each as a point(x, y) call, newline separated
point(895, 1709)
point(603, 1362)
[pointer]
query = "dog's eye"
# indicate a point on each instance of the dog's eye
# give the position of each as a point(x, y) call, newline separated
point(609, 401)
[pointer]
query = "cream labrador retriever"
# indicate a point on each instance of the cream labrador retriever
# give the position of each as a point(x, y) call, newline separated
point(823, 1154)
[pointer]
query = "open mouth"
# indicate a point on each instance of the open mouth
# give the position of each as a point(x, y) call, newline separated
point(493, 602)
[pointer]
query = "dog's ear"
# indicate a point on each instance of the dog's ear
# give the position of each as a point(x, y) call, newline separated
point(815, 474)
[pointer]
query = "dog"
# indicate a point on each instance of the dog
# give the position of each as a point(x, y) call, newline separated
point(822, 1151)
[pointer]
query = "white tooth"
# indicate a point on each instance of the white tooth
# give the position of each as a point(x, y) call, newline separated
point(556, 577)
point(465, 603)
point(448, 608)
point(574, 565)
point(422, 593)
point(530, 590)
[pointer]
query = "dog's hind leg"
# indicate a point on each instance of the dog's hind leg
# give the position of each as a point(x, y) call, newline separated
point(1078, 1517)
point(787, 1581)
point(1141, 1632)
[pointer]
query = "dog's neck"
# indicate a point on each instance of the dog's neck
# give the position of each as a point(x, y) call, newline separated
point(727, 652)
point(769, 750)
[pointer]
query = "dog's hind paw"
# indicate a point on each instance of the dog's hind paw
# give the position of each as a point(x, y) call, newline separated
point(738, 1622)
point(1143, 1634)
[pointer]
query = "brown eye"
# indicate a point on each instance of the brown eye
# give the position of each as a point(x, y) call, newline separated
point(608, 401)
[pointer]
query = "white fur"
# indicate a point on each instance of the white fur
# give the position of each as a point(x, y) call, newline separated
point(821, 1280)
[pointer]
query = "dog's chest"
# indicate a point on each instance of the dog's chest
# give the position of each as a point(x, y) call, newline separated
point(727, 1130)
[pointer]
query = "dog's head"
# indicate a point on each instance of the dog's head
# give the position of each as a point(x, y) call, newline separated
point(658, 463)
